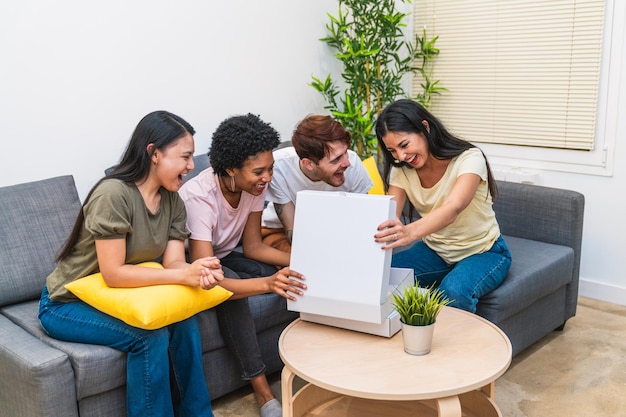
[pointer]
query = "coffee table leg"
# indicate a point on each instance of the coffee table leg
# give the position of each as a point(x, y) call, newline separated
point(490, 390)
point(449, 407)
point(286, 387)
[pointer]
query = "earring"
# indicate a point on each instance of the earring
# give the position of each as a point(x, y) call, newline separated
point(232, 183)
point(397, 161)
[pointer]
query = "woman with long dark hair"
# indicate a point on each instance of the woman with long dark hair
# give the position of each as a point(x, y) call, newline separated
point(456, 242)
point(135, 215)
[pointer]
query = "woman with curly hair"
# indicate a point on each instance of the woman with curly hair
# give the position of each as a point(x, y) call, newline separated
point(224, 205)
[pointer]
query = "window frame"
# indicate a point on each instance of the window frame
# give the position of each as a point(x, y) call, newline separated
point(600, 160)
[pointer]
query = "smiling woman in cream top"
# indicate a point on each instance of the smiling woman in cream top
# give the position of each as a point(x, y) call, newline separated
point(456, 242)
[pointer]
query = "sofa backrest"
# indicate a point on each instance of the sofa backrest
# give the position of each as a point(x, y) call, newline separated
point(535, 212)
point(200, 162)
point(35, 220)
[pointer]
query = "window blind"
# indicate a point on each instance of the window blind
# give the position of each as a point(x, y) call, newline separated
point(518, 72)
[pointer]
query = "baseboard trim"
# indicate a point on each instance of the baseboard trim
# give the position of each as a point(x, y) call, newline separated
point(602, 291)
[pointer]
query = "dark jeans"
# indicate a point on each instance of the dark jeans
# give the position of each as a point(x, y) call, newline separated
point(234, 317)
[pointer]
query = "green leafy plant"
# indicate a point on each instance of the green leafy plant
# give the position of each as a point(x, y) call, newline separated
point(419, 306)
point(370, 42)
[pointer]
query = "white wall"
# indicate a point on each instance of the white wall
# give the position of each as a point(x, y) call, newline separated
point(76, 77)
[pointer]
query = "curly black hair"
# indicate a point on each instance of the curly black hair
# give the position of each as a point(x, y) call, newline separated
point(238, 138)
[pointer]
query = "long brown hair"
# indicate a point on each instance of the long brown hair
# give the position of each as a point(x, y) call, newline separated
point(311, 137)
point(408, 116)
point(160, 128)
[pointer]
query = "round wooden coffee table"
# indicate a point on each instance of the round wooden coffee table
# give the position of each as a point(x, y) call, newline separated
point(356, 374)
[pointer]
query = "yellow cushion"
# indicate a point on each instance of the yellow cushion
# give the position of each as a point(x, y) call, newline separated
point(150, 307)
point(372, 170)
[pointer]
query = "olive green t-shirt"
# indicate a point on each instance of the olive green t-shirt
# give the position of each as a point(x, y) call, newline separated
point(116, 210)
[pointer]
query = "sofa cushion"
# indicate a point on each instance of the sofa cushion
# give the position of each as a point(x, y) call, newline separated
point(35, 378)
point(374, 173)
point(537, 269)
point(97, 369)
point(268, 311)
point(35, 220)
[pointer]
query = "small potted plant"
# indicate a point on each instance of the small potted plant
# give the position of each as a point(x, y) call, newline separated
point(418, 309)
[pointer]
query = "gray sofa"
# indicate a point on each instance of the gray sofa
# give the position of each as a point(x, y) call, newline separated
point(40, 376)
point(543, 228)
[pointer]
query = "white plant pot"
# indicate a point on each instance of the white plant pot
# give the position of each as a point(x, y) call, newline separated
point(417, 339)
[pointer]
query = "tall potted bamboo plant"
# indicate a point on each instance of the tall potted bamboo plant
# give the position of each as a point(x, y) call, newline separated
point(369, 39)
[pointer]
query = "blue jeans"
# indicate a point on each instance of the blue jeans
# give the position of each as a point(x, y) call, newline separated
point(149, 387)
point(235, 319)
point(464, 282)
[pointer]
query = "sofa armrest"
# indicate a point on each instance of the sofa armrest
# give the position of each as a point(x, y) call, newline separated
point(545, 214)
point(36, 380)
point(35, 220)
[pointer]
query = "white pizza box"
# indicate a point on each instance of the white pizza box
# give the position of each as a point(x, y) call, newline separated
point(387, 328)
point(347, 272)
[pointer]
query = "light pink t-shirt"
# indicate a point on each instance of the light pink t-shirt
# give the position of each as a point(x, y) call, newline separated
point(209, 216)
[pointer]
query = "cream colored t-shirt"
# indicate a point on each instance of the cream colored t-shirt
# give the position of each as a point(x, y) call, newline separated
point(475, 229)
